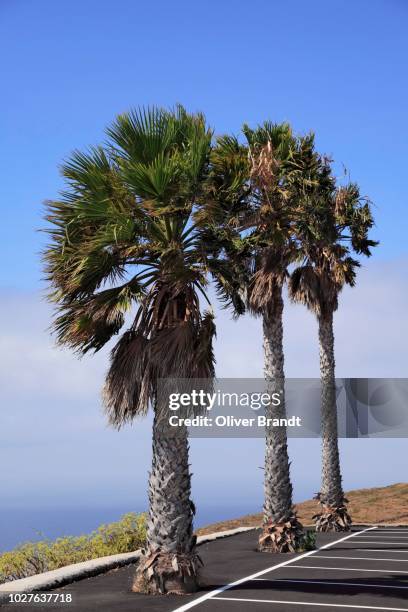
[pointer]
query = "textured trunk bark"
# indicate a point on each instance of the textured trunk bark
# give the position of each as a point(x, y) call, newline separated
point(171, 562)
point(282, 532)
point(334, 515)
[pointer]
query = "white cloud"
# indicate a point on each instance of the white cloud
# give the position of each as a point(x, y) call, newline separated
point(29, 359)
point(54, 437)
point(371, 327)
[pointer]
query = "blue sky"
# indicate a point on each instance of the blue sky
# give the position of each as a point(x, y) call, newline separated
point(68, 67)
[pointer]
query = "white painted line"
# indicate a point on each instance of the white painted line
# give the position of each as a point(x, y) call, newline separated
point(352, 535)
point(387, 537)
point(306, 603)
point(360, 540)
point(384, 531)
point(361, 558)
point(380, 530)
point(349, 569)
point(356, 584)
point(226, 587)
point(389, 550)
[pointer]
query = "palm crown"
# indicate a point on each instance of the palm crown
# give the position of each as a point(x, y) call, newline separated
point(260, 187)
point(337, 221)
point(127, 231)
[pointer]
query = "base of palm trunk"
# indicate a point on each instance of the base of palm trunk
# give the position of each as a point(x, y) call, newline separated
point(284, 537)
point(333, 519)
point(163, 573)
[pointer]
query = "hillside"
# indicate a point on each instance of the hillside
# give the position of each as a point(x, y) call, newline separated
point(378, 505)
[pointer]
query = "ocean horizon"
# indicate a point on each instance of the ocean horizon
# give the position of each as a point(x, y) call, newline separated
point(19, 525)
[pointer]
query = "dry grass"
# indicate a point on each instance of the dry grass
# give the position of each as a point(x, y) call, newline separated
point(379, 505)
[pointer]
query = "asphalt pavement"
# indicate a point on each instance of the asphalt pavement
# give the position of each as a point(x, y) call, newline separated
point(364, 570)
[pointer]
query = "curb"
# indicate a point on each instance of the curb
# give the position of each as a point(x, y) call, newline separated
point(85, 569)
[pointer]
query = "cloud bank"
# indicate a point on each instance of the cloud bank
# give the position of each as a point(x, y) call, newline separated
point(55, 446)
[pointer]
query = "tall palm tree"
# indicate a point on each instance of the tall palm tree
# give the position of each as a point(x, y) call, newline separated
point(274, 155)
point(124, 235)
point(338, 224)
point(258, 188)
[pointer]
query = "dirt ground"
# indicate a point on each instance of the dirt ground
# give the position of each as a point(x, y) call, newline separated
point(379, 505)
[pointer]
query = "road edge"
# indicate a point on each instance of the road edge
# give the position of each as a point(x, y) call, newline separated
point(78, 571)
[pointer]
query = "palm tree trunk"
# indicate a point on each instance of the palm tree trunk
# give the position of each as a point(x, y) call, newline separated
point(282, 532)
point(171, 562)
point(334, 516)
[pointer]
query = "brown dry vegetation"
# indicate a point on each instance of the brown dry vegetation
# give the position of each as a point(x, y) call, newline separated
point(379, 505)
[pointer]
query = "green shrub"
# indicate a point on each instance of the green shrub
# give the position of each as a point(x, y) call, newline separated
point(31, 558)
point(308, 542)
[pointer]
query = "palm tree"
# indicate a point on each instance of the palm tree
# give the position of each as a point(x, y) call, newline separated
point(338, 222)
point(258, 188)
point(124, 234)
point(261, 178)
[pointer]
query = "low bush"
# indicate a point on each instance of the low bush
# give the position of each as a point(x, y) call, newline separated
point(308, 542)
point(32, 558)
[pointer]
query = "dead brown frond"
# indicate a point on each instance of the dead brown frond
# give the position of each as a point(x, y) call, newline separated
point(168, 573)
point(263, 167)
point(169, 339)
point(340, 203)
point(268, 279)
point(333, 518)
point(130, 381)
point(281, 537)
point(316, 288)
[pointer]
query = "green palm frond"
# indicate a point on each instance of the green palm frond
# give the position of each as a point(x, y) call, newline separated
point(279, 135)
point(142, 135)
point(227, 186)
point(124, 241)
point(335, 225)
point(88, 323)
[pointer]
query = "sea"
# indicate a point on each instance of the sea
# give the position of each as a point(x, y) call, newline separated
point(18, 525)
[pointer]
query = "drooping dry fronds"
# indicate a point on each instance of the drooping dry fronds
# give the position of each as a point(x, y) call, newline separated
point(332, 518)
point(168, 573)
point(268, 278)
point(281, 537)
point(317, 284)
point(264, 168)
point(170, 338)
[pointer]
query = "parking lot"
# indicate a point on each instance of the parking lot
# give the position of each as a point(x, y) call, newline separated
point(365, 570)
